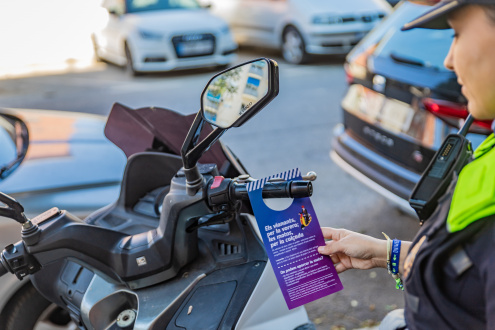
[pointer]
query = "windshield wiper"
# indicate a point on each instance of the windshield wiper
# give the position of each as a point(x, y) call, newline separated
point(407, 60)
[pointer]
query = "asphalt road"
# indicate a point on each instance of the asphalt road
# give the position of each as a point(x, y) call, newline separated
point(295, 130)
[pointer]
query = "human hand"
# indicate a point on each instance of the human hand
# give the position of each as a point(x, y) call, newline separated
point(349, 250)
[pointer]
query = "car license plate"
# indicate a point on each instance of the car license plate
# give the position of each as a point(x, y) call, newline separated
point(397, 116)
point(192, 48)
point(375, 108)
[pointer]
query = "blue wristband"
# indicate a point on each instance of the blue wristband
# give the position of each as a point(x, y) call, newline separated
point(395, 256)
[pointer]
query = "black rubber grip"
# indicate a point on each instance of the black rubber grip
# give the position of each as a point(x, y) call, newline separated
point(283, 189)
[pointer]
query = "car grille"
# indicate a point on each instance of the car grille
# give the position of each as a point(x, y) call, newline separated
point(194, 45)
point(339, 44)
point(365, 18)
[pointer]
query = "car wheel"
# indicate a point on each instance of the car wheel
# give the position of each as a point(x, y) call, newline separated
point(28, 309)
point(293, 48)
point(130, 62)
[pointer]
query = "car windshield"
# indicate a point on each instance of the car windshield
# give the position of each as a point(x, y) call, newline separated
point(134, 6)
point(418, 47)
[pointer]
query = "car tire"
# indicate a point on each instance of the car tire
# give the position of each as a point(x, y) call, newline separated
point(293, 46)
point(28, 309)
point(130, 62)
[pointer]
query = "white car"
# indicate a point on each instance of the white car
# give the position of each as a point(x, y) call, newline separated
point(162, 35)
point(301, 27)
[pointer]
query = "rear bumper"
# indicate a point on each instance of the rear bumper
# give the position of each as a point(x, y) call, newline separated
point(389, 179)
point(338, 43)
point(174, 63)
point(152, 56)
point(328, 39)
point(396, 200)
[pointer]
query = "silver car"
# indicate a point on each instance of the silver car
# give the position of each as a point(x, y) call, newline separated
point(47, 159)
point(301, 27)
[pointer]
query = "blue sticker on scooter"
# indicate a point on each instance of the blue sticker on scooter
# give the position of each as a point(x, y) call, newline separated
point(291, 238)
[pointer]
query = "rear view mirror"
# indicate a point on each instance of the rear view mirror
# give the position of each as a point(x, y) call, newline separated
point(229, 99)
point(235, 95)
point(14, 142)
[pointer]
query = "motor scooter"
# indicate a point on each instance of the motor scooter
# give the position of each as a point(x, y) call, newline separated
point(180, 248)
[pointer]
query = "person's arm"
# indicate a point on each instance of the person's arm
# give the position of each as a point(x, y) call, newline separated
point(351, 250)
point(481, 252)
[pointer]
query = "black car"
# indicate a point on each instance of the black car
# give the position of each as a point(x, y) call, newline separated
point(401, 104)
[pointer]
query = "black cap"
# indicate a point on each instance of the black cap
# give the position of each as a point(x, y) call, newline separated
point(436, 18)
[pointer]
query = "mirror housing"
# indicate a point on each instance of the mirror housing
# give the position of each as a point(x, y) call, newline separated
point(193, 149)
point(14, 136)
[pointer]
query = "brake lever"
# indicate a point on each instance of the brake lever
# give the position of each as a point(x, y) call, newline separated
point(15, 258)
point(310, 176)
point(214, 219)
point(13, 209)
point(220, 218)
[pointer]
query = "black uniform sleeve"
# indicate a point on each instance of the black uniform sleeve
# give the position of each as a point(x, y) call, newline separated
point(483, 253)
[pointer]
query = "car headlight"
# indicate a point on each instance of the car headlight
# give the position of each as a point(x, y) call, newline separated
point(150, 35)
point(327, 19)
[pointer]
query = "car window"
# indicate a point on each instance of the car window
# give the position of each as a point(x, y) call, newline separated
point(420, 47)
point(134, 6)
point(424, 48)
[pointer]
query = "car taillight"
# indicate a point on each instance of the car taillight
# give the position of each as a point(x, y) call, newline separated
point(454, 114)
point(348, 76)
point(354, 70)
point(356, 67)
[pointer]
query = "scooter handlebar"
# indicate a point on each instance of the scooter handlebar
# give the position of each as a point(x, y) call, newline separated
point(16, 259)
point(282, 189)
point(230, 191)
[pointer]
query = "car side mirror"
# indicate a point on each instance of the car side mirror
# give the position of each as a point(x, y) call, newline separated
point(229, 99)
point(14, 140)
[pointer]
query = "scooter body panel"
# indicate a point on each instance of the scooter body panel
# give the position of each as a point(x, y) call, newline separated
point(266, 308)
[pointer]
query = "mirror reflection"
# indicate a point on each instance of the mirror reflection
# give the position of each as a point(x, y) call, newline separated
point(11, 140)
point(8, 142)
point(234, 92)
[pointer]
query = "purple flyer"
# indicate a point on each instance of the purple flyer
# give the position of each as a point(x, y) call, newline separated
point(291, 238)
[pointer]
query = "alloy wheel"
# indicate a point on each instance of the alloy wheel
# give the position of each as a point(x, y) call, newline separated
point(293, 47)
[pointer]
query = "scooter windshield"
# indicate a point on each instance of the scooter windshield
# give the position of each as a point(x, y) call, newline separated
point(156, 129)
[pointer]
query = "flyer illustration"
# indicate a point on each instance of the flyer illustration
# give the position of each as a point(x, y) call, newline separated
point(291, 238)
